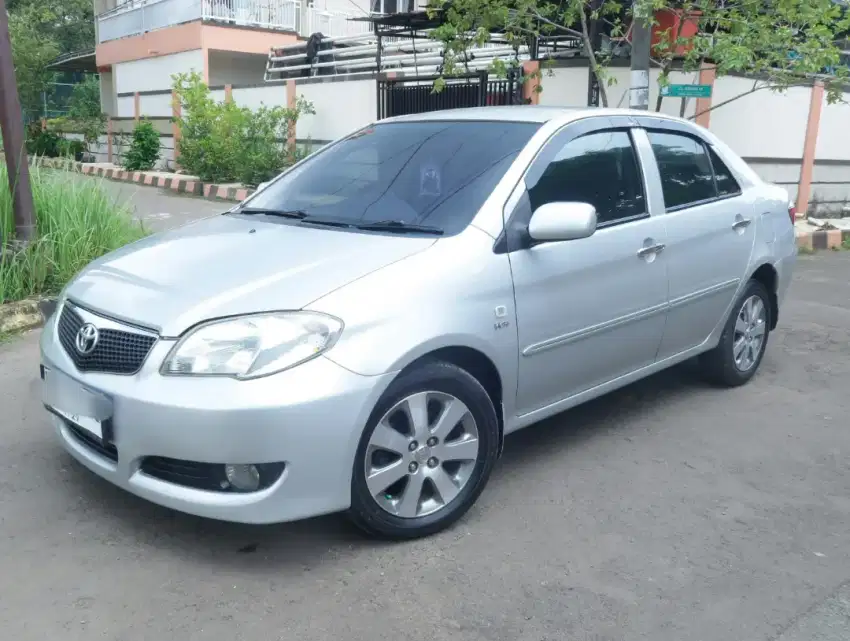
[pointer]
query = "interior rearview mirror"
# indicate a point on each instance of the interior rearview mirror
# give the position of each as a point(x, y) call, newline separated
point(562, 221)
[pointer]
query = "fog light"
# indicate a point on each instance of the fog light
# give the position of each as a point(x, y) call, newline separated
point(245, 478)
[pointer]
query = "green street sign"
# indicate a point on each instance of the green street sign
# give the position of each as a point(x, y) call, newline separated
point(686, 91)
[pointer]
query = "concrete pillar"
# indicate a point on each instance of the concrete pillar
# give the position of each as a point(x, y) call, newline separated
point(804, 189)
point(109, 130)
point(530, 94)
point(137, 107)
point(290, 103)
point(228, 93)
point(176, 113)
point(707, 74)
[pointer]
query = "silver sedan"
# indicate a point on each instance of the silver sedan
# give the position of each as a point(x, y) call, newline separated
point(361, 334)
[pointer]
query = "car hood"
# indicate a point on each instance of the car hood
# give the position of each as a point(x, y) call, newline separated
point(228, 265)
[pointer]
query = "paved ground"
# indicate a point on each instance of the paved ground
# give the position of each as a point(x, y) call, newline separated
point(157, 208)
point(669, 511)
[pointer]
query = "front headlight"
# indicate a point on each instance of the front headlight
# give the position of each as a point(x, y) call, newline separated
point(252, 346)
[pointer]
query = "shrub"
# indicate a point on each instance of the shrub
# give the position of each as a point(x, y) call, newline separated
point(41, 142)
point(76, 222)
point(144, 148)
point(71, 148)
point(222, 142)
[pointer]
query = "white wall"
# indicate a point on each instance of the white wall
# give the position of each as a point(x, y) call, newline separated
point(255, 97)
point(341, 108)
point(762, 124)
point(567, 87)
point(156, 105)
point(152, 74)
point(834, 137)
point(229, 68)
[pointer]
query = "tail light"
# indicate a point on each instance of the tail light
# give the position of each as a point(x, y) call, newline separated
point(792, 213)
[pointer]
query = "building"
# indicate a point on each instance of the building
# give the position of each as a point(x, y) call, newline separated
point(141, 43)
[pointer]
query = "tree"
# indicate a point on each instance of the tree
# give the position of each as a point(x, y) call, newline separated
point(780, 43)
point(40, 31)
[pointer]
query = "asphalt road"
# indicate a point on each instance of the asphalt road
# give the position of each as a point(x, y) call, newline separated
point(669, 511)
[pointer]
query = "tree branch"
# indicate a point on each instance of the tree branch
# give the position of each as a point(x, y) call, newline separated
point(594, 64)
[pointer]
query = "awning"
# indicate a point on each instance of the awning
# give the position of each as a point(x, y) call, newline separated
point(76, 61)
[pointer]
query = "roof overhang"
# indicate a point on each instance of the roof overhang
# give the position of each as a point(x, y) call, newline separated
point(76, 61)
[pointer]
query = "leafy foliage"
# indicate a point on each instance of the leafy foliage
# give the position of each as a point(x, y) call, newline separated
point(782, 42)
point(42, 142)
point(144, 148)
point(77, 222)
point(222, 142)
point(40, 31)
point(85, 100)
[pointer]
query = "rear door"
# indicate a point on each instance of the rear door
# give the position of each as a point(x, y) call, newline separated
point(710, 226)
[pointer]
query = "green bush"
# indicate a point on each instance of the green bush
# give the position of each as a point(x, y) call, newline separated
point(77, 222)
point(222, 142)
point(71, 148)
point(144, 148)
point(41, 142)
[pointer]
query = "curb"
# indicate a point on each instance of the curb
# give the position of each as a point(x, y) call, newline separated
point(822, 239)
point(178, 185)
point(26, 314)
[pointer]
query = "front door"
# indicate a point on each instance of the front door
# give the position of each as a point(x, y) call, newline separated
point(588, 310)
point(710, 237)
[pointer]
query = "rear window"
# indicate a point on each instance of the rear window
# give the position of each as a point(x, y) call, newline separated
point(429, 173)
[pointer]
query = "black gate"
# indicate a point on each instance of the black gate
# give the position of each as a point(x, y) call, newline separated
point(414, 95)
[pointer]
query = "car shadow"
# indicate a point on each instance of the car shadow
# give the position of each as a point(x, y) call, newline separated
point(260, 549)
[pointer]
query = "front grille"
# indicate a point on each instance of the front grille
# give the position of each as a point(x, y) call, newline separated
point(116, 352)
point(203, 476)
point(84, 438)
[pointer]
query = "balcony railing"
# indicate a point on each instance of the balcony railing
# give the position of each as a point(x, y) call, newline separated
point(134, 17)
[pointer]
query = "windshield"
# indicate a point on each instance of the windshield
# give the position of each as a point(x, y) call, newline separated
point(435, 173)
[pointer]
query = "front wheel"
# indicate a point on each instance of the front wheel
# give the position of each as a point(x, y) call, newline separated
point(738, 355)
point(426, 454)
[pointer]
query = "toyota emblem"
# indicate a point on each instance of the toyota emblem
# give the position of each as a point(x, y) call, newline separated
point(87, 339)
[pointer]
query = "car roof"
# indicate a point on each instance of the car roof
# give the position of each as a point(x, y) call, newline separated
point(525, 113)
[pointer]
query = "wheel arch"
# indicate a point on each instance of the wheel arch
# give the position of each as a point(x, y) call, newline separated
point(480, 366)
point(766, 275)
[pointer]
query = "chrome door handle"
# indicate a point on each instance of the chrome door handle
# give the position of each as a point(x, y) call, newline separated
point(652, 249)
point(743, 223)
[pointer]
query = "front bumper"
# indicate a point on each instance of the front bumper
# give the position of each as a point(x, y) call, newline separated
point(310, 418)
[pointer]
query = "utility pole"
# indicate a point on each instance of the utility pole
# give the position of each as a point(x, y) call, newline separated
point(12, 124)
point(595, 38)
point(639, 87)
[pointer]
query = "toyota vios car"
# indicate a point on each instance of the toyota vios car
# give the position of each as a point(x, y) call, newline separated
point(362, 332)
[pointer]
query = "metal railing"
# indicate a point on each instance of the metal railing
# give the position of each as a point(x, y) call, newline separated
point(140, 16)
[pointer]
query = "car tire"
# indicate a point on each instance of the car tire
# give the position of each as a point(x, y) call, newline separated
point(722, 365)
point(447, 392)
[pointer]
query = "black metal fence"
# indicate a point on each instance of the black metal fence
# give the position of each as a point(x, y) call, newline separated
point(413, 95)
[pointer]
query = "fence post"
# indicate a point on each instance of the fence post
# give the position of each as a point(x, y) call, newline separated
point(228, 93)
point(176, 112)
point(137, 107)
point(44, 124)
point(530, 94)
point(291, 104)
point(707, 75)
point(804, 189)
point(109, 131)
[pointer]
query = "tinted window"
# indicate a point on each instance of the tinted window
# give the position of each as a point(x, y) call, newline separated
point(429, 173)
point(685, 169)
point(600, 169)
point(726, 183)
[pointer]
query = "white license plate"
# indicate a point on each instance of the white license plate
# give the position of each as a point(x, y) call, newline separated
point(79, 405)
point(89, 424)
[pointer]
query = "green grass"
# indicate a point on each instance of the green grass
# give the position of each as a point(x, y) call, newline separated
point(77, 222)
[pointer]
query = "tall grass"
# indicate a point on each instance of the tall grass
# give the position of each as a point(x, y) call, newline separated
point(77, 222)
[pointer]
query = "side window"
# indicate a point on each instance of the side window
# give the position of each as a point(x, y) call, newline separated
point(685, 168)
point(600, 169)
point(726, 183)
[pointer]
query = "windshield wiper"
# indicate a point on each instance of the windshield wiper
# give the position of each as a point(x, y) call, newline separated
point(283, 213)
point(400, 227)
